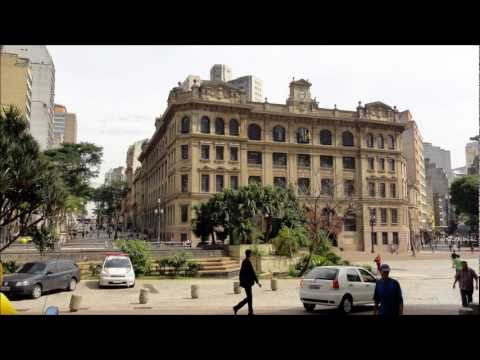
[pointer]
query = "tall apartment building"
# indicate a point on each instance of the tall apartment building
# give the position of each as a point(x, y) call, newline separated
point(471, 150)
point(251, 85)
point(437, 182)
point(420, 210)
point(43, 90)
point(220, 72)
point(440, 157)
point(16, 83)
point(115, 175)
point(211, 138)
point(64, 126)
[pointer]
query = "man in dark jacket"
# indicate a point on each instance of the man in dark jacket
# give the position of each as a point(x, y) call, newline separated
point(388, 295)
point(247, 279)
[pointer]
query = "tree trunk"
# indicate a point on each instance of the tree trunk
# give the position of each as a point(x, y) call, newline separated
point(115, 236)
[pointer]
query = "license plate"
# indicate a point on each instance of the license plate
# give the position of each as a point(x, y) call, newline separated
point(117, 282)
point(315, 287)
point(5, 288)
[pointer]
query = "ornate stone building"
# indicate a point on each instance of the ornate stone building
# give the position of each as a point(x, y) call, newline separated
point(211, 138)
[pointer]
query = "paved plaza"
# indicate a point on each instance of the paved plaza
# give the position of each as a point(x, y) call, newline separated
point(426, 283)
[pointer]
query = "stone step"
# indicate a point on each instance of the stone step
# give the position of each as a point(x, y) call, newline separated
point(219, 273)
point(220, 267)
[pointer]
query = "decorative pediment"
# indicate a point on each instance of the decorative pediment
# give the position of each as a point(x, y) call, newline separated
point(379, 111)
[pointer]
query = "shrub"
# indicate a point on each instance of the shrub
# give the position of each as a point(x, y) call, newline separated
point(94, 270)
point(139, 253)
point(289, 240)
point(10, 267)
point(292, 271)
point(178, 261)
point(256, 251)
point(192, 268)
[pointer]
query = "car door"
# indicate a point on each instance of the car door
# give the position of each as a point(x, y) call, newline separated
point(369, 283)
point(64, 274)
point(355, 285)
point(52, 277)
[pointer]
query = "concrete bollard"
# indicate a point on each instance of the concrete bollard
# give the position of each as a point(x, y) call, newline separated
point(143, 298)
point(274, 284)
point(75, 302)
point(194, 291)
point(236, 287)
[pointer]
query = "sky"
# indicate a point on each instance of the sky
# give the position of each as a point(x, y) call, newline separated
point(117, 91)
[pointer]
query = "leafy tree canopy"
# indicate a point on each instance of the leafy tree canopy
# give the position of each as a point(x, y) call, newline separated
point(464, 196)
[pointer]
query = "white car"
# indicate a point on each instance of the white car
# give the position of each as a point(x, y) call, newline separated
point(338, 286)
point(116, 270)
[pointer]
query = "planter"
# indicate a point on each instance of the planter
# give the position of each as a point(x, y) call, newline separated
point(274, 264)
point(238, 251)
point(194, 291)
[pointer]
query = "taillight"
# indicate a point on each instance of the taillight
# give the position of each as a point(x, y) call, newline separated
point(335, 284)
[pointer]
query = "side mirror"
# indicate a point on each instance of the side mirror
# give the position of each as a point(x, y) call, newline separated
point(52, 310)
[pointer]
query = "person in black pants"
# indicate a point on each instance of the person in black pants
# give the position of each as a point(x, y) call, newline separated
point(247, 279)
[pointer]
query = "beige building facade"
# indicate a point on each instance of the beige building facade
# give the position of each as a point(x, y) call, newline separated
point(211, 138)
point(64, 126)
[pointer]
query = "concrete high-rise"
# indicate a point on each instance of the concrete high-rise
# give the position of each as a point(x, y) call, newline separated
point(64, 126)
point(437, 183)
point(471, 150)
point(440, 157)
point(43, 90)
point(252, 86)
point(115, 175)
point(220, 72)
point(16, 83)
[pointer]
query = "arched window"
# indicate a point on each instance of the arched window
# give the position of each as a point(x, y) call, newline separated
point(381, 142)
point(205, 125)
point(279, 133)
point(185, 125)
point(347, 138)
point(350, 221)
point(303, 136)
point(254, 132)
point(391, 142)
point(219, 126)
point(325, 137)
point(233, 127)
point(370, 140)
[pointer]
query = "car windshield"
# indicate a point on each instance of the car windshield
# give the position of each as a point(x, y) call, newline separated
point(322, 273)
point(117, 263)
point(32, 268)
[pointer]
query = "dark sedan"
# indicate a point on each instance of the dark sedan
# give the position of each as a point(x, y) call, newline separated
point(35, 278)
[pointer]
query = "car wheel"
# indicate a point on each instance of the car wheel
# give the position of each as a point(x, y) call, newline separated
point(309, 307)
point(72, 284)
point(36, 291)
point(346, 305)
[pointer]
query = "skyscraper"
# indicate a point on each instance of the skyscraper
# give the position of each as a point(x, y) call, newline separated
point(252, 86)
point(440, 157)
point(471, 150)
point(220, 72)
point(64, 126)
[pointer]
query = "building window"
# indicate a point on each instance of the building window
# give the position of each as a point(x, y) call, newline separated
point(393, 190)
point(394, 215)
point(371, 189)
point(234, 127)
point(219, 183)
point(184, 213)
point(375, 241)
point(326, 161)
point(326, 187)
point(384, 238)
point(348, 162)
point(280, 181)
point(184, 151)
point(255, 180)
point(383, 216)
point(205, 152)
point(391, 142)
point(303, 136)
point(371, 163)
point(254, 132)
point(303, 160)
point(206, 183)
point(255, 157)
point(183, 237)
point(347, 138)
point(395, 238)
point(280, 159)
point(304, 186)
point(350, 221)
point(381, 190)
point(370, 140)
point(205, 125)
point(279, 134)
point(325, 137)
point(185, 125)
point(391, 164)
point(219, 126)
point(381, 164)
point(184, 183)
point(381, 143)
point(219, 153)
point(349, 187)
point(234, 153)
point(234, 182)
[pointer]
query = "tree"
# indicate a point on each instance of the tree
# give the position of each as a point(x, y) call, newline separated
point(32, 191)
point(464, 196)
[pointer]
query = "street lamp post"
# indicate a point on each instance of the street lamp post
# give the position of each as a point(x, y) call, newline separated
point(372, 222)
point(159, 211)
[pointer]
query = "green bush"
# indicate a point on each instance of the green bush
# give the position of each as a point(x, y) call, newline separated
point(289, 240)
point(139, 253)
point(292, 271)
point(367, 267)
point(178, 261)
point(10, 267)
point(256, 251)
point(192, 268)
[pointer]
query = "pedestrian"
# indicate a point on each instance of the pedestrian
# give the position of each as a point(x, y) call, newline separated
point(465, 278)
point(247, 279)
point(457, 264)
point(471, 246)
point(388, 295)
point(454, 256)
point(378, 261)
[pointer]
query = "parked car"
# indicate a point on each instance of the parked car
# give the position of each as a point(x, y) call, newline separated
point(35, 278)
point(337, 286)
point(116, 270)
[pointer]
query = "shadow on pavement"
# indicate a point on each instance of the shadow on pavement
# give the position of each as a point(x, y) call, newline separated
point(27, 297)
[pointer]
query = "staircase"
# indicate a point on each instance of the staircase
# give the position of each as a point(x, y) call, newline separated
point(224, 267)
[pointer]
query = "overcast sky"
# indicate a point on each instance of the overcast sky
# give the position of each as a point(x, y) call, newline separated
point(117, 91)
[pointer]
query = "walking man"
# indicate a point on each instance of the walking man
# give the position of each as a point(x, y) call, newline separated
point(378, 261)
point(247, 279)
point(388, 295)
point(465, 277)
